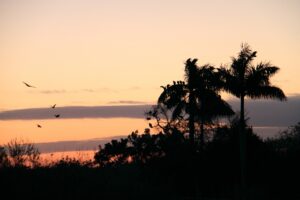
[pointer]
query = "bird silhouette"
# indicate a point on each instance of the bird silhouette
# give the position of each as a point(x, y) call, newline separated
point(28, 85)
point(53, 106)
point(39, 126)
point(150, 125)
point(57, 116)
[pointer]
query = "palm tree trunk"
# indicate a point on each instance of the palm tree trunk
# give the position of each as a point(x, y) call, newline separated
point(242, 138)
point(192, 120)
point(202, 133)
point(192, 127)
point(202, 122)
point(242, 117)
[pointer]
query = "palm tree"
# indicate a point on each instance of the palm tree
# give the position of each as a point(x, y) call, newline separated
point(243, 79)
point(197, 96)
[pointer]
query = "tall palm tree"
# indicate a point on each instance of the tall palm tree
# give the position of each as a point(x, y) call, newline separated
point(243, 79)
point(197, 96)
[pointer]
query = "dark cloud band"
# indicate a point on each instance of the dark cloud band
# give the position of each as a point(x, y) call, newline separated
point(260, 112)
point(130, 111)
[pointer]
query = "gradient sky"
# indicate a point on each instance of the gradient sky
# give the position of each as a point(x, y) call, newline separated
point(93, 52)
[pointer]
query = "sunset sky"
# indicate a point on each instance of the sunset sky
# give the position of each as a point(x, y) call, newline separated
point(115, 52)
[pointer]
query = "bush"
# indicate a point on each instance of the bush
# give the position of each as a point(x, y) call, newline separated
point(22, 154)
point(3, 157)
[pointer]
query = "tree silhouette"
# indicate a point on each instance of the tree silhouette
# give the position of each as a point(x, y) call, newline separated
point(22, 153)
point(3, 157)
point(243, 79)
point(113, 153)
point(197, 96)
point(164, 120)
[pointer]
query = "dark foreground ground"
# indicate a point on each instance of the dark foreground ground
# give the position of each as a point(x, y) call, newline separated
point(135, 182)
point(166, 167)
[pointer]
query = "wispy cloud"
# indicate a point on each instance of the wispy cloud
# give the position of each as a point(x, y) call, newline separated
point(81, 145)
point(85, 90)
point(69, 112)
point(127, 102)
point(107, 90)
point(88, 90)
point(52, 91)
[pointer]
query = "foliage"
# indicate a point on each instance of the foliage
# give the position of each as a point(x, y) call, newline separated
point(4, 162)
point(164, 165)
point(195, 100)
point(22, 154)
point(243, 79)
point(139, 148)
point(164, 121)
point(288, 141)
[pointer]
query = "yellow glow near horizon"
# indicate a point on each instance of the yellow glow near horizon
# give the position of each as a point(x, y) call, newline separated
point(69, 129)
point(95, 52)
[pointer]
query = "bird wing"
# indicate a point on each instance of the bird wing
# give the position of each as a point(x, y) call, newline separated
point(28, 85)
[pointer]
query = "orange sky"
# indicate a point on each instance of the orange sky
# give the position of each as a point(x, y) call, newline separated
point(69, 129)
point(88, 52)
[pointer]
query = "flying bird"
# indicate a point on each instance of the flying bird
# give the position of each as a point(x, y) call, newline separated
point(53, 106)
point(39, 126)
point(28, 85)
point(150, 125)
point(57, 116)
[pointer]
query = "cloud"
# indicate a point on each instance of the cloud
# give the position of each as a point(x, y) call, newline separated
point(81, 145)
point(271, 112)
point(52, 91)
point(63, 91)
point(75, 112)
point(88, 90)
point(127, 102)
point(107, 90)
point(260, 112)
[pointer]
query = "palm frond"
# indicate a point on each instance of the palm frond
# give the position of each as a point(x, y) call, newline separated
point(229, 81)
point(173, 94)
point(266, 92)
point(191, 71)
point(179, 109)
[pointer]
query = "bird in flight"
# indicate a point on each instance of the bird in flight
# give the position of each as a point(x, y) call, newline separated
point(57, 116)
point(28, 85)
point(39, 126)
point(150, 125)
point(53, 106)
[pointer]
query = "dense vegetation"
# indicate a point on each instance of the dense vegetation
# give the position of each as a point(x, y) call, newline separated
point(191, 155)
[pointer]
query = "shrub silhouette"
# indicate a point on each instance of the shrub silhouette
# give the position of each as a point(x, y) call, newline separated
point(140, 148)
point(22, 154)
point(4, 162)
